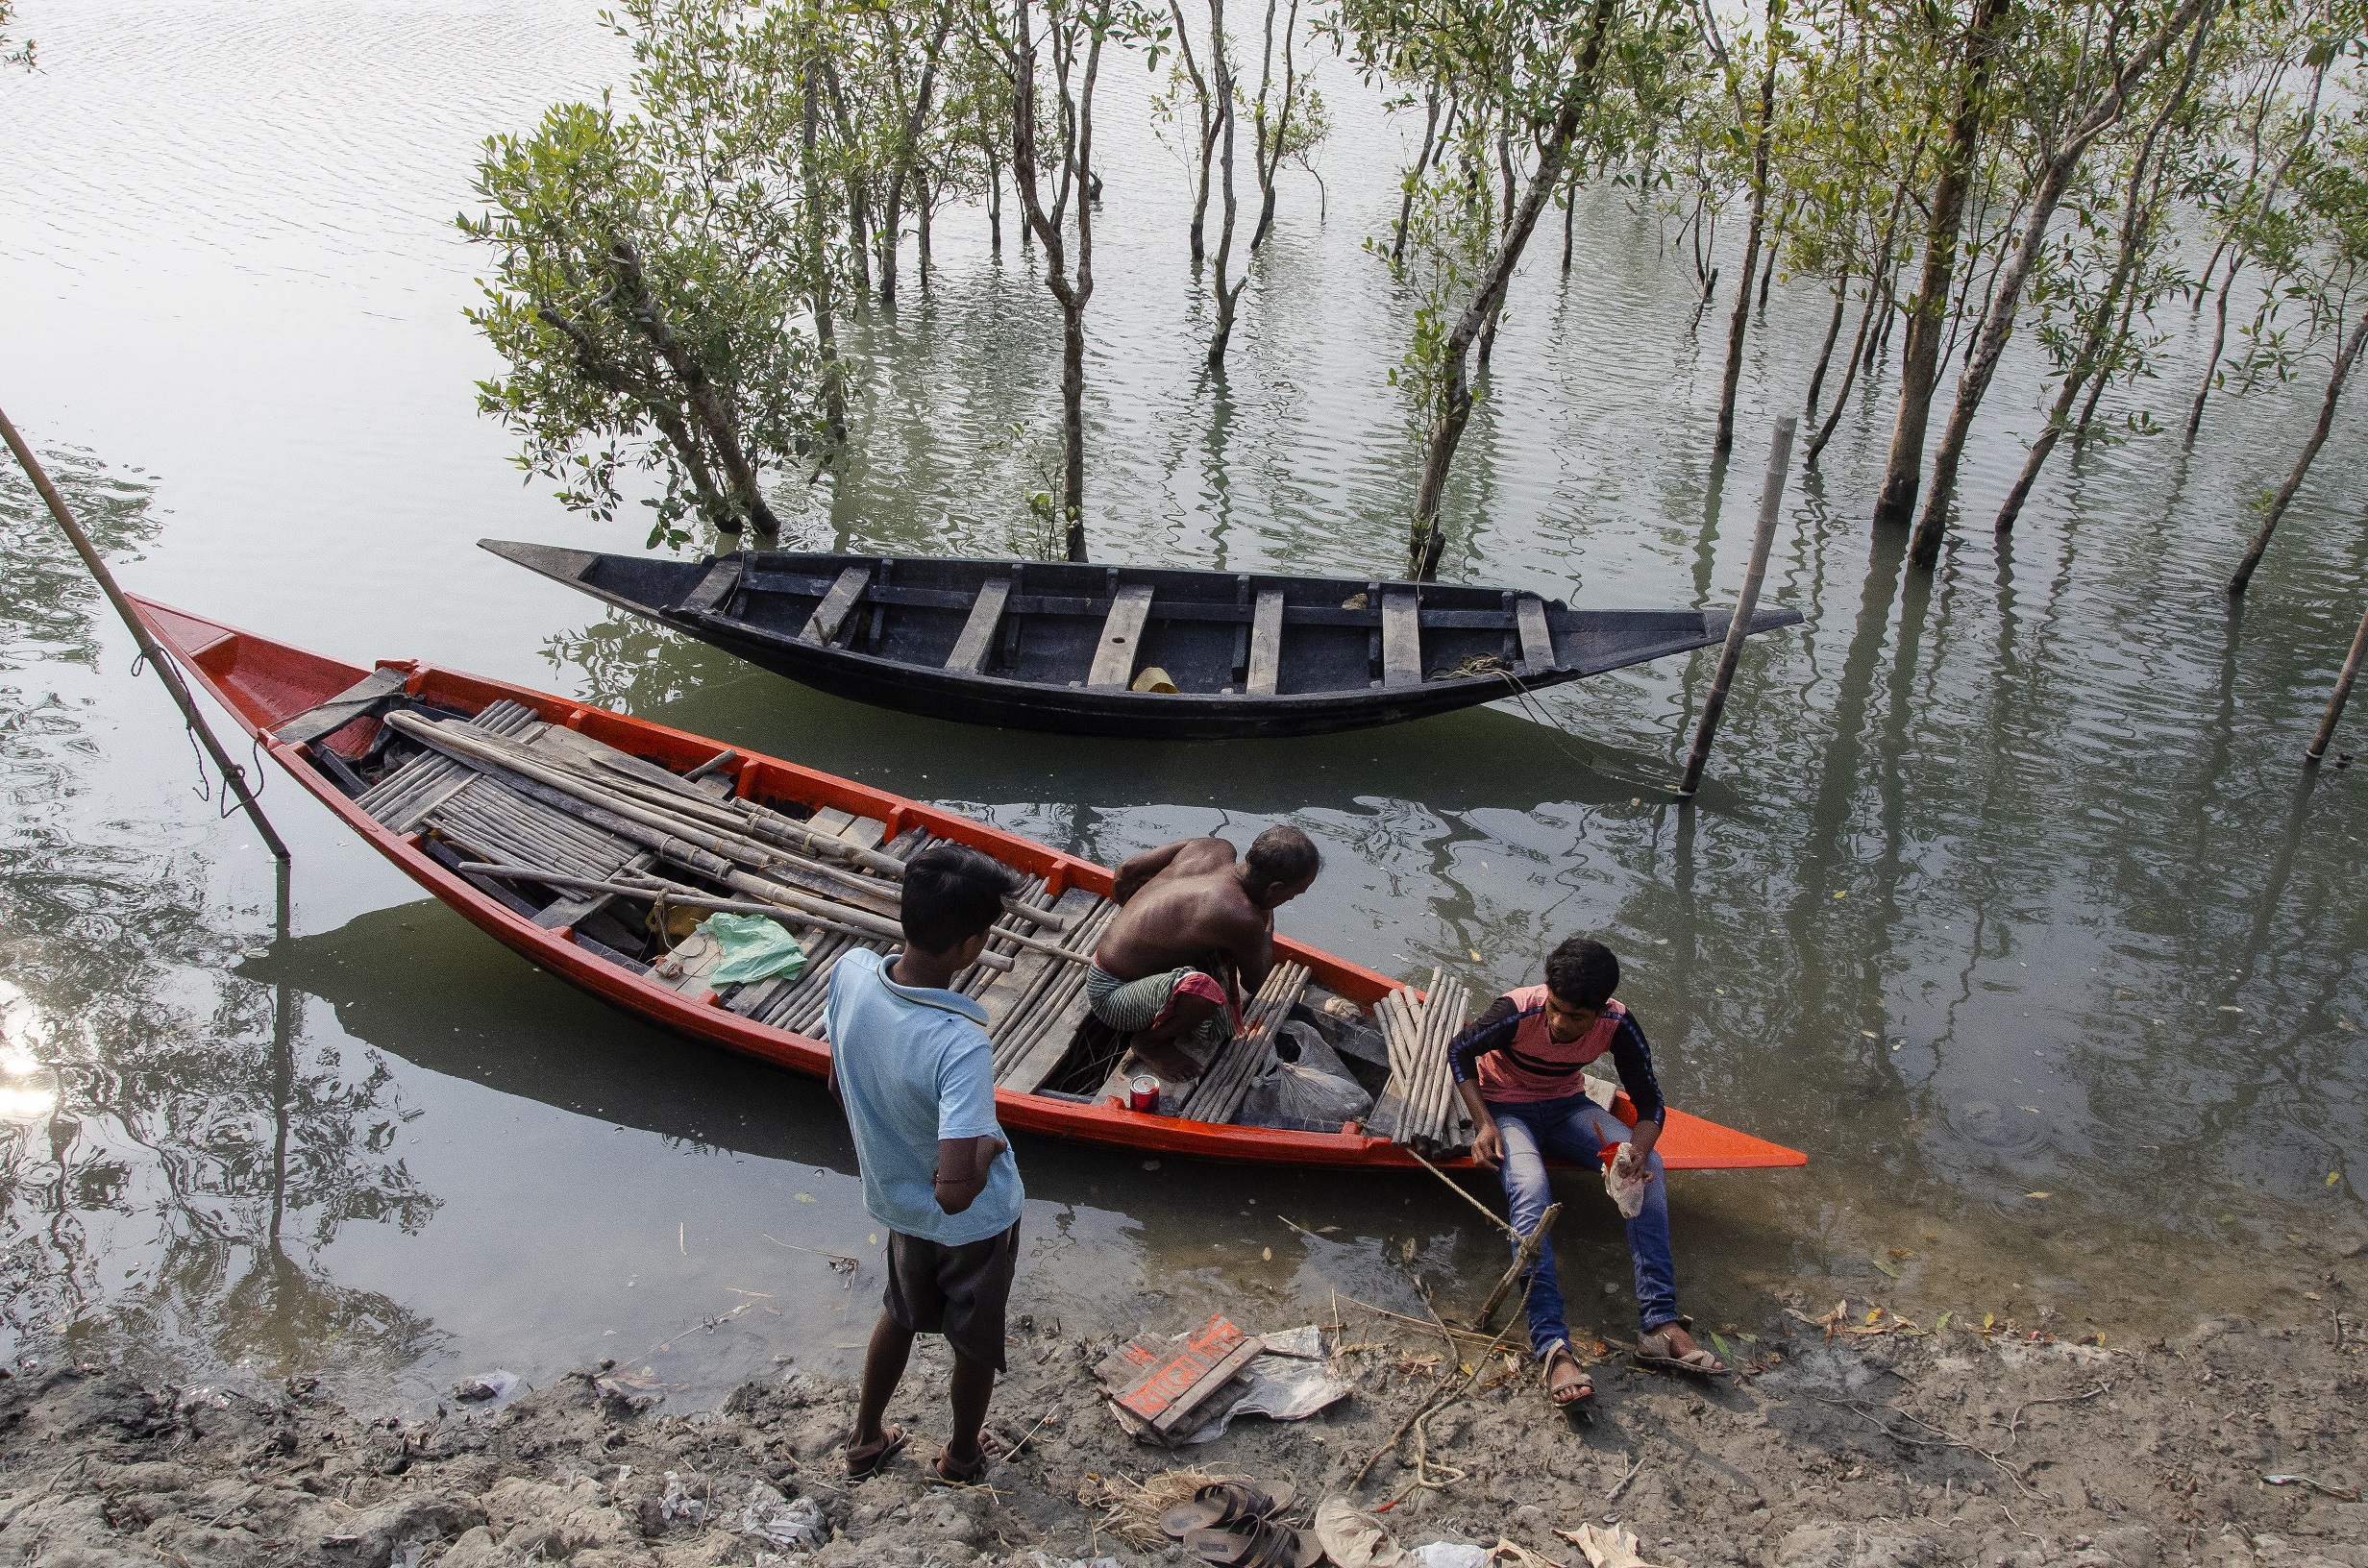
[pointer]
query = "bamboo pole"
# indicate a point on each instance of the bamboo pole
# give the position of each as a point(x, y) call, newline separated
point(658, 890)
point(2343, 693)
point(233, 776)
point(1771, 508)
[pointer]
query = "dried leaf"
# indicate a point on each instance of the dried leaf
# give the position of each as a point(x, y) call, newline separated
point(1886, 1268)
point(806, 1197)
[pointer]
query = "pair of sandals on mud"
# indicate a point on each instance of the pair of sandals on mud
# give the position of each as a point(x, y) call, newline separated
point(1233, 1523)
point(864, 1460)
point(1569, 1386)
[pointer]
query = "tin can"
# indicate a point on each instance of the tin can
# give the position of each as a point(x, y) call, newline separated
point(1143, 1093)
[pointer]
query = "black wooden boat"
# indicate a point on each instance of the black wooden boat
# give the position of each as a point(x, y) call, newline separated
point(1080, 648)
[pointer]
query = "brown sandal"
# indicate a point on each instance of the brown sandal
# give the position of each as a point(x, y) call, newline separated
point(1225, 1505)
point(947, 1473)
point(1657, 1350)
point(1578, 1397)
point(1266, 1544)
point(862, 1465)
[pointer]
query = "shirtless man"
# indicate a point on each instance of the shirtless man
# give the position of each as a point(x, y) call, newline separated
point(1195, 935)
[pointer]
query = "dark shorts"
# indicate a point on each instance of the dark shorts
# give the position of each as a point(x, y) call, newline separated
point(957, 1292)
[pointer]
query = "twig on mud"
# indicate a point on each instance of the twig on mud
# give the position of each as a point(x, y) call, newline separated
point(2014, 1421)
point(836, 1258)
point(1621, 1485)
point(1439, 1398)
point(1420, 1323)
point(1943, 1439)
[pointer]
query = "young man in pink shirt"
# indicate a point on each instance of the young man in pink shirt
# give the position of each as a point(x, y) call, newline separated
point(1521, 1070)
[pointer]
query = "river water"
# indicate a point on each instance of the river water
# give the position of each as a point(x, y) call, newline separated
point(2007, 899)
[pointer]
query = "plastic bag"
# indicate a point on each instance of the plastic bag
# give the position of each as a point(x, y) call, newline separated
point(1293, 1096)
point(1624, 1178)
point(755, 947)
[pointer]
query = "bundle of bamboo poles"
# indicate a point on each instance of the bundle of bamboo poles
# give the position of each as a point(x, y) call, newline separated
point(1050, 993)
point(692, 830)
point(1419, 1105)
point(398, 800)
point(1217, 1093)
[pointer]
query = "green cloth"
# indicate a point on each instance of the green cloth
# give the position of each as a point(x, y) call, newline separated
point(755, 947)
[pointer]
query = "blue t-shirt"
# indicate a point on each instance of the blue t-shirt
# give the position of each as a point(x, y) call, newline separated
point(914, 1065)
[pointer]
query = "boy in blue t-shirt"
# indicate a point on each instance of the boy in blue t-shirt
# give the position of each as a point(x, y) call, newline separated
point(911, 1063)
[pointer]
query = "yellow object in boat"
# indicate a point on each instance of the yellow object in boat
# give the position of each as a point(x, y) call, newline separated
point(1155, 680)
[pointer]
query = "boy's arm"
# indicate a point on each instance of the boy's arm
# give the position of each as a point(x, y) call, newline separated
point(962, 1167)
point(1634, 1059)
point(965, 1107)
point(1491, 1031)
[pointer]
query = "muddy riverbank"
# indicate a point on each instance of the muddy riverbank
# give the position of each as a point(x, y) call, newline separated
point(1863, 1441)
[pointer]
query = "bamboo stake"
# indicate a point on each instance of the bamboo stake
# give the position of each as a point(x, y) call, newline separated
point(233, 776)
point(1531, 1245)
point(1771, 508)
point(2343, 693)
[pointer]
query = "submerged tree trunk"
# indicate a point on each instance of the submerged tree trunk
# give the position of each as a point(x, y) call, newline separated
point(995, 194)
point(2015, 270)
point(1268, 154)
point(1833, 333)
point(1075, 179)
point(706, 399)
point(1425, 543)
point(1208, 131)
point(818, 269)
point(1228, 294)
point(2347, 355)
point(1740, 320)
point(1423, 161)
point(1926, 309)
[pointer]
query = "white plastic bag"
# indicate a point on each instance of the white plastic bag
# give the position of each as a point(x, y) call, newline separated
point(1624, 1178)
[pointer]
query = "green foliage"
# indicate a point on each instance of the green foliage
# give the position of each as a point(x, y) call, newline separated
point(647, 328)
point(12, 53)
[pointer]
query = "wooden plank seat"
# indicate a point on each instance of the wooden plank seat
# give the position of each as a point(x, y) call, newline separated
point(1401, 638)
point(355, 701)
point(1122, 639)
point(714, 590)
point(1265, 643)
point(971, 649)
point(830, 616)
point(1536, 636)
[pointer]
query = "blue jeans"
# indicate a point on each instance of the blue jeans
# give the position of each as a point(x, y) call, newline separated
point(1578, 1130)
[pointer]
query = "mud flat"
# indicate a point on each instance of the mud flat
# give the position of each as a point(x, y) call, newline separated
point(1859, 1445)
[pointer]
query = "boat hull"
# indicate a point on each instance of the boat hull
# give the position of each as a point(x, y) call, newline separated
point(1337, 654)
point(264, 683)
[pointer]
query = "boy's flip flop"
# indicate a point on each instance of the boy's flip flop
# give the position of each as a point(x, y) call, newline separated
point(1657, 1350)
point(864, 1463)
point(1582, 1399)
point(1224, 1504)
point(1264, 1544)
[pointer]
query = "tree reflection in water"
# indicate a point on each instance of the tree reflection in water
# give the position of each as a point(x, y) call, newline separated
point(174, 1160)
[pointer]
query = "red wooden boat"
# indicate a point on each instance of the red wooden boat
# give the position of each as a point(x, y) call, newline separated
point(329, 723)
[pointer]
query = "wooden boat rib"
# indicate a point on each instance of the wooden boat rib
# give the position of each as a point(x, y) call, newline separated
point(441, 772)
point(1065, 647)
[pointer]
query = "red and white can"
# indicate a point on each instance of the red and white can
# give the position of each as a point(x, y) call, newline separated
point(1143, 1093)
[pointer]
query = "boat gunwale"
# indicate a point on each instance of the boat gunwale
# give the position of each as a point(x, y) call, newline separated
point(1109, 1123)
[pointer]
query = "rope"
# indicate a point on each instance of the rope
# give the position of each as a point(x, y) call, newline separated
point(1536, 711)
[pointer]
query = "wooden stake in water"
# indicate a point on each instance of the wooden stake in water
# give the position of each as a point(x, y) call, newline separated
point(1771, 507)
point(233, 776)
point(2343, 693)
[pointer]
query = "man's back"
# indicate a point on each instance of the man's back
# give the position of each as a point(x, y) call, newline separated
point(1191, 911)
point(914, 1066)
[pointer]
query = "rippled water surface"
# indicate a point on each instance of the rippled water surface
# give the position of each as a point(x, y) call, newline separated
point(2008, 900)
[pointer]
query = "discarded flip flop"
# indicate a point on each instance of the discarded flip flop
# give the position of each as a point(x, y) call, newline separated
point(1264, 1544)
point(1657, 1350)
point(1224, 1504)
point(863, 1463)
